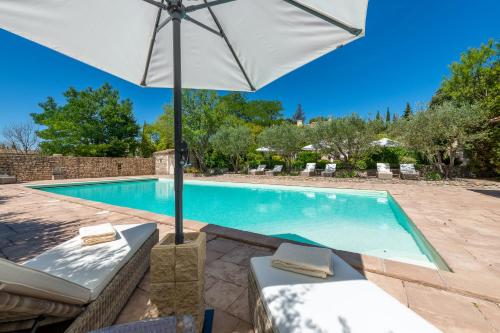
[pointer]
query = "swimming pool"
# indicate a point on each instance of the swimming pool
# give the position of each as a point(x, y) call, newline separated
point(368, 222)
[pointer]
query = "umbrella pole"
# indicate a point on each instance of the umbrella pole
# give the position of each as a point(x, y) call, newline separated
point(180, 149)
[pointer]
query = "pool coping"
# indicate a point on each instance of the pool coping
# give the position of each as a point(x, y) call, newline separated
point(439, 279)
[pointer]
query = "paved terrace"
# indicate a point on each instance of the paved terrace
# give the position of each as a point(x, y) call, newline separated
point(461, 220)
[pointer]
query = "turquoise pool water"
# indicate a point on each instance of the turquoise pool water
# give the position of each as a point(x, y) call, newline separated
point(368, 222)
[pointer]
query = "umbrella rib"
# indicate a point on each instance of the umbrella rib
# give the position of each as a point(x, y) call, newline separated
point(151, 46)
point(164, 23)
point(201, 25)
point(223, 34)
point(206, 5)
point(351, 30)
point(160, 5)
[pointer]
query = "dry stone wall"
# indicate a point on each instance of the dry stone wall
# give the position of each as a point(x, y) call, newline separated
point(33, 167)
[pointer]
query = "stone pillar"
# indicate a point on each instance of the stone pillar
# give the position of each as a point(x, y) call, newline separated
point(178, 277)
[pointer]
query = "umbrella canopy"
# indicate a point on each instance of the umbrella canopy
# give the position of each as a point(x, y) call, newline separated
point(223, 44)
point(385, 142)
point(226, 45)
point(265, 150)
point(309, 148)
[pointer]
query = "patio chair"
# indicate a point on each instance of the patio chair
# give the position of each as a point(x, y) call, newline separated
point(330, 169)
point(259, 171)
point(384, 171)
point(6, 179)
point(281, 301)
point(310, 170)
point(275, 171)
point(86, 284)
point(407, 171)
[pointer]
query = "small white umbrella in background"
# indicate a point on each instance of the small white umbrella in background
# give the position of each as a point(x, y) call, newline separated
point(224, 44)
point(309, 148)
point(385, 142)
point(265, 150)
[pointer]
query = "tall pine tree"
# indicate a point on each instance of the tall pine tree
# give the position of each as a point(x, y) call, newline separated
point(378, 116)
point(299, 114)
point(388, 116)
point(408, 113)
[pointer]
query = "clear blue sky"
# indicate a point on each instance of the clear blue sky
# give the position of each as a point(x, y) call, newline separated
point(404, 56)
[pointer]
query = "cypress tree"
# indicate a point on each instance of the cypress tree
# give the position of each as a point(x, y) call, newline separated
point(408, 113)
point(387, 116)
point(299, 114)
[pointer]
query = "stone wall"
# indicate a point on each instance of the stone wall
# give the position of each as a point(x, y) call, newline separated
point(33, 167)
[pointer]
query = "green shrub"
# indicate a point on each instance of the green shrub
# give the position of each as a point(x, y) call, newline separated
point(321, 164)
point(345, 173)
point(298, 165)
point(433, 175)
point(361, 165)
point(340, 164)
point(308, 156)
point(407, 160)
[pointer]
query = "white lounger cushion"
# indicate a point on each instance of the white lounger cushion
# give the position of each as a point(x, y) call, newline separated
point(345, 302)
point(93, 266)
point(21, 280)
point(383, 168)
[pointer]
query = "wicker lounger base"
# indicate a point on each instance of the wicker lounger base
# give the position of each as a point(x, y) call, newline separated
point(100, 313)
point(258, 314)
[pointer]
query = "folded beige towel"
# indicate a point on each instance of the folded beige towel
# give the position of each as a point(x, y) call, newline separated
point(97, 234)
point(305, 260)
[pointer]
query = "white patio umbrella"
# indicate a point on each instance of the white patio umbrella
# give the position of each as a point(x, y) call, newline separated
point(385, 142)
point(265, 150)
point(226, 44)
point(309, 148)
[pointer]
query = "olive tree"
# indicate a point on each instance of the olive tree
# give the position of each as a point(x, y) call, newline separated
point(442, 132)
point(232, 142)
point(286, 139)
point(348, 137)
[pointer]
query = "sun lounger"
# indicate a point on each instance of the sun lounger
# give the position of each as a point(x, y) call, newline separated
point(330, 169)
point(6, 179)
point(310, 170)
point(259, 171)
point(407, 171)
point(89, 284)
point(384, 171)
point(275, 171)
point(282, 302)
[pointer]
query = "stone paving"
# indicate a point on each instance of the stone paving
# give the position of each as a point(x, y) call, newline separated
point(463, 225)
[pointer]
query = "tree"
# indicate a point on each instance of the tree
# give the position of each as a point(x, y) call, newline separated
point(90, 123)
point(395, 117)
point(348, 137)
point(147, 145)
point(387, 116)
point(444, 131)
point(474, 80)
point(286, 139)
point(378, 116)
point(299, 114)
point(233, 142)
point(202, 117)
point(21, 137)
point(407, 114)
point(318, 119)
point(258, 112)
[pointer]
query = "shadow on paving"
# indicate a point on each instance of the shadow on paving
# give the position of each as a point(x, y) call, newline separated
point(22, 239)
point(491, 193)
